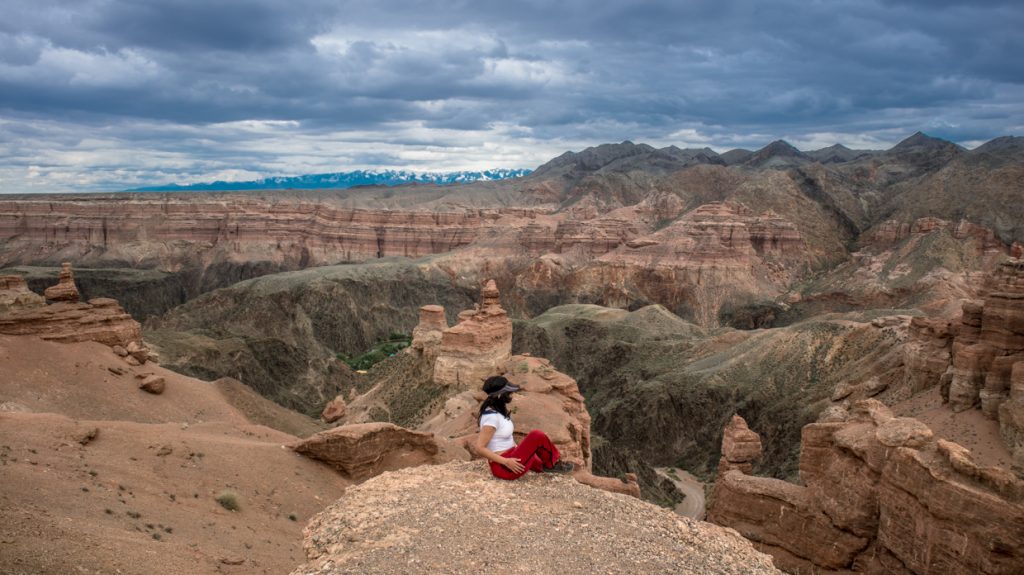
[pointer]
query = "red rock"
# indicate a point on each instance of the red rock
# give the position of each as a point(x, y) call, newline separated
point(552, 403)
point(153, 384)
point(101, 320)
point(477, 346)
point(363, 450)
point(15, 295)
point(426, 336)
point(334, 410)
point(880, 494)
point(138, 351)
point(65, 290)
point(740, 446)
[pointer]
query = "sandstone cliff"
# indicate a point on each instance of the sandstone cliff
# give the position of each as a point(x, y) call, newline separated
point(880, 495)
point(456, 518)
point(973, 358)
point(101, 319)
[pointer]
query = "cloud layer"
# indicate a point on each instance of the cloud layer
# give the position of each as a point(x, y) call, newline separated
point(109, 94)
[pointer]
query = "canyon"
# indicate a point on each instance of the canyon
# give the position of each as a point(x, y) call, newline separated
point(831, 339)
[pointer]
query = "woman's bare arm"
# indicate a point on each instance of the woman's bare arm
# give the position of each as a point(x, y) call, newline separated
point(486, 433)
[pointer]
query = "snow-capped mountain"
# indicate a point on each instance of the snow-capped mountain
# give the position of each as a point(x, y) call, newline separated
point(345, 180)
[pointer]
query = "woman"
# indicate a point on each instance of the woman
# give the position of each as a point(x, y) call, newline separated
point(508, 460)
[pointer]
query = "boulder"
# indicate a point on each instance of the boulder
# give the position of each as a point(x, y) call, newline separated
point(363, 450)
point(153, 384)
point(138, 351)
point(334, 410)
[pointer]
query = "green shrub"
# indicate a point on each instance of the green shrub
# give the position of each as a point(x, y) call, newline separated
point(228, 500)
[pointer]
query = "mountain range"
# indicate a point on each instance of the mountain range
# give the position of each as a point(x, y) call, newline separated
point(342, 180)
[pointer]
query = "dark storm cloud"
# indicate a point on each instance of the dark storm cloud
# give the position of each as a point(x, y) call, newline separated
point(209, 87)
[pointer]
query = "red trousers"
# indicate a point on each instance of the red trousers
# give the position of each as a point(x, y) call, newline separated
point(536, 452)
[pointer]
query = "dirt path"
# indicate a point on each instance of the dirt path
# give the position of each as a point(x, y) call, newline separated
point(693, 505)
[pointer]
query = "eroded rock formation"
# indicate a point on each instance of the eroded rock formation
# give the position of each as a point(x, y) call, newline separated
point(15, 295)
point(65, 290)
point(427, 335)
point(334, 410)
point(550, 401)
point(740, 447)
point(474, 348)
point(101, 319)
point(879, 495)
point(973, 359)
point(362, 450)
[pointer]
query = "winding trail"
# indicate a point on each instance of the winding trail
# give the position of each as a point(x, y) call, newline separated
point(693, 506)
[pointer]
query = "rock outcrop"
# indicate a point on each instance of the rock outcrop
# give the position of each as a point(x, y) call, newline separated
point(549, 401)
point(427, 335)
point(100, 319)
point(15, 295)
point(334, 410)
point(740, 447)
point(880, 495)
point(474, 348)
point(456, 518)
point(363, 450)
point(973, 360)
point(65, 290)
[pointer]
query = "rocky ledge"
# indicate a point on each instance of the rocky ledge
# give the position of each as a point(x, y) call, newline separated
point(456, 518)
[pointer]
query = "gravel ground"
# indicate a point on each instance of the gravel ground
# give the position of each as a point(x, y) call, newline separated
point(456, 518)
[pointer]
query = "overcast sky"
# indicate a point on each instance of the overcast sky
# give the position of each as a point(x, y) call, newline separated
point(111, 94)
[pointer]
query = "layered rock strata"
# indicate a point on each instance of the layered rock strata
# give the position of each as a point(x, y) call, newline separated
point(103, 228)
point(474, 348)
point(973, 359)
point(891, 232)
point(101, 319)
point(880, 495)
point(740, 447)
point(65, 290)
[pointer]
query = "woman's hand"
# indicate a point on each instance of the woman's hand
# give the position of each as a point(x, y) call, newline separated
point(513, 465)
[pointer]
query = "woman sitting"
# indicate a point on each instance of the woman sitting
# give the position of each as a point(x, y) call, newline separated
point(508, 460)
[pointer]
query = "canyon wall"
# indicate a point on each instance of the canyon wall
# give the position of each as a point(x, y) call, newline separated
point(879, 495)
point(977, 359)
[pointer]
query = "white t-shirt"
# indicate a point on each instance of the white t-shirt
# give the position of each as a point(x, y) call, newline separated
point(502, 438)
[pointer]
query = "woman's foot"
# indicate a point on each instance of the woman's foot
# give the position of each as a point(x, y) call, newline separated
point(561, 467)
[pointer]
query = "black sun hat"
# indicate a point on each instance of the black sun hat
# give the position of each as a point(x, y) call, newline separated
point(498, 384)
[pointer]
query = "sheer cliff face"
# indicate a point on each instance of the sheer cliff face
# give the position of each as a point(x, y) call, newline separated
point(880, 495)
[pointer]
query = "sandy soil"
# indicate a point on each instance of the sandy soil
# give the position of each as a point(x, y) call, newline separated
point(140, 496)
point(970, 428)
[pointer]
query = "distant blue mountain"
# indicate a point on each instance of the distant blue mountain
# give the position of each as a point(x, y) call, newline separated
point(343, 180)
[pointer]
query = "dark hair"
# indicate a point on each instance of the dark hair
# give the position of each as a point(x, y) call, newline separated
point(497, 402)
